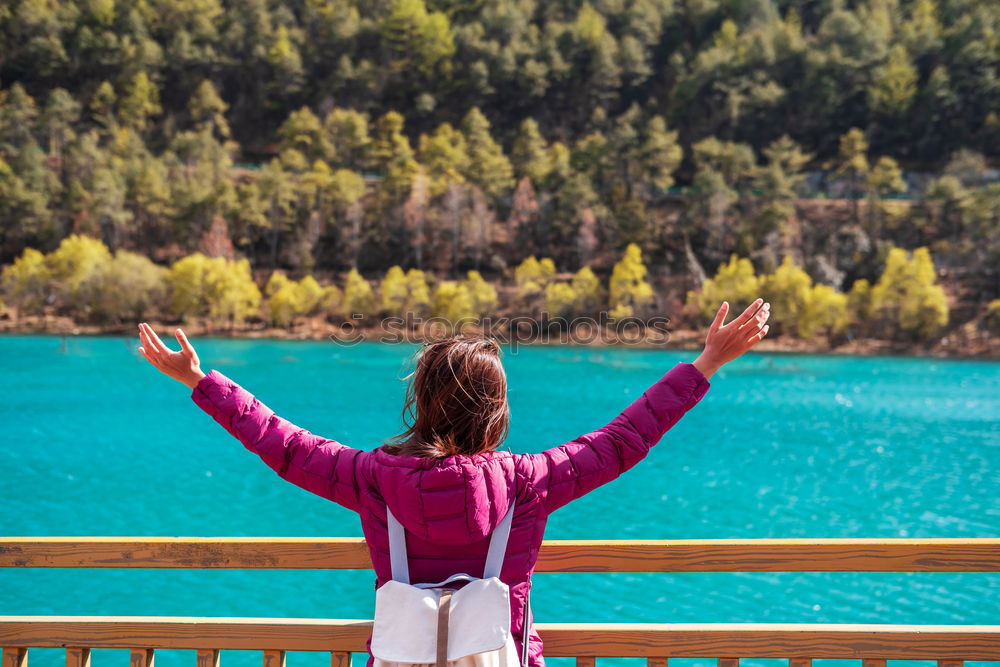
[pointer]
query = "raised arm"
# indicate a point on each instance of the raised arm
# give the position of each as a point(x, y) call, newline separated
point(569, 471)
point(319, 465)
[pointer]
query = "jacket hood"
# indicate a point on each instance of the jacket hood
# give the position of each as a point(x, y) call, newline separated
point(454, 500)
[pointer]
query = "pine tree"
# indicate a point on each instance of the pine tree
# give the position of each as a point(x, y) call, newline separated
point(488, 167)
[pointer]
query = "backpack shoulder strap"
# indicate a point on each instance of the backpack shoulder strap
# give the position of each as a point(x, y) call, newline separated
point(494, 557)
point(498, 545)
point(397, 549)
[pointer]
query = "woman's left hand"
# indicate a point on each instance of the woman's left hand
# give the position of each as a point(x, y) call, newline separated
point(182, 366)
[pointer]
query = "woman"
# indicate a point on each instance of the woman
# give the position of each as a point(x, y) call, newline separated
point(444, 478)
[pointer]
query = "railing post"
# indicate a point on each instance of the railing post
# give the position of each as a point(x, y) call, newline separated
point(140, 657)
point(208, 657)
point(585, 662)
point(800, 662)
point(340, 659)
point(950, 663)
point(729, 662)
point(15, 657)
point(657, 662)
point(873, 663)
point(274, 659)
point(77, 657)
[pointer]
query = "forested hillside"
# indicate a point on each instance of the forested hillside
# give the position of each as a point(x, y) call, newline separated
point(316, 136)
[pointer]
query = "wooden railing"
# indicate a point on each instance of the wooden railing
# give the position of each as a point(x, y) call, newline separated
point(800, 643)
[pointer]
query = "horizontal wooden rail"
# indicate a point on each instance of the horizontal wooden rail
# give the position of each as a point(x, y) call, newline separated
point(692, 640)
point(761, 555)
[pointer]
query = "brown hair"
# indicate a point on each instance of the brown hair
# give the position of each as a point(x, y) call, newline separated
point(456, 402)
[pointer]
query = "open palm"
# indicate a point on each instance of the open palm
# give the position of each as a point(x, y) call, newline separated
point(183, 365)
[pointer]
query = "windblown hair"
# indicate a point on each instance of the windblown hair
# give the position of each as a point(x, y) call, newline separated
point(456, 402)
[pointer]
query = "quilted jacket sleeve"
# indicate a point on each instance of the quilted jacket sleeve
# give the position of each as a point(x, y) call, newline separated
point(321, 466)
point(566, 472)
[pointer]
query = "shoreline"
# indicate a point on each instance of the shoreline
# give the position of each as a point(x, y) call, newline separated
point(963, 343)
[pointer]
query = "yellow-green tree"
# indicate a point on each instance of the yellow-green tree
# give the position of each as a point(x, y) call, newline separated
point(358, 295)
point(788, 290)
point(907, 298)
point(131, 286)
point(589, 293)
point(560, 299)
point(582, 296)
point(233, 296)
point(993, 317)
point(221, 290)
point(26, 282)
point(405, 292)
point(825, 309)
point(288, 299)
point(532, 275)
point(453, 302)
point(628, 289)
point(76, 268)
point(735, 282)
point(482, 295)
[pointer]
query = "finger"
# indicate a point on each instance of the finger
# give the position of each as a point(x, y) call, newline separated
point(759, 336)
point(720, 316)
point(748, 313)
point(159, 344)
point(761, 317)
point(149, 351)
point(185, 345)
point(142, 351)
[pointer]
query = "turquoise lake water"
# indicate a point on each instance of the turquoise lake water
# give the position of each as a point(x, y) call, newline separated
point(97, 442)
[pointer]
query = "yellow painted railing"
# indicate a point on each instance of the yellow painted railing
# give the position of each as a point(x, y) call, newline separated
point(800, 643)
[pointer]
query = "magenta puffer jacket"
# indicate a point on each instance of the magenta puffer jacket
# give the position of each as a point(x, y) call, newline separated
point(450, 506)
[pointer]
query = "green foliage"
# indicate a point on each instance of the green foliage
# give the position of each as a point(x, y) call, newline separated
point(852, 155)
point(788, 290)
point(140, 101)
point(445, 158)
point(421, 39)
point(26, 282)
point(628, 291)
point(894, 84)
point(532, 275)
point(303, 131)
point(208, 110)
point(404, 293)
point(76, 268)
point(582, 296)
point(482, 295)
point(454, 303)
point(488, 167)
point(221, 290)
point(129, 131)
point(560, 299)
point(886, 177)
point(392, 153)
point(735, 282)
point(131, 287)
point(288, 299)
point(589, 293)
point(358, 295)
point(798, 306)
point(824, 309)
point(347, 133)
point(530, 155)
point(859, 301)
point(992, 319)
point(907, 298)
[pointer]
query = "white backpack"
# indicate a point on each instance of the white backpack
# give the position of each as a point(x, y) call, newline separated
point(432, 624)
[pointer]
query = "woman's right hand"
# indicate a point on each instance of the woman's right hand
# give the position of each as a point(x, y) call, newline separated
point(725, 342)
point(182, 366)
